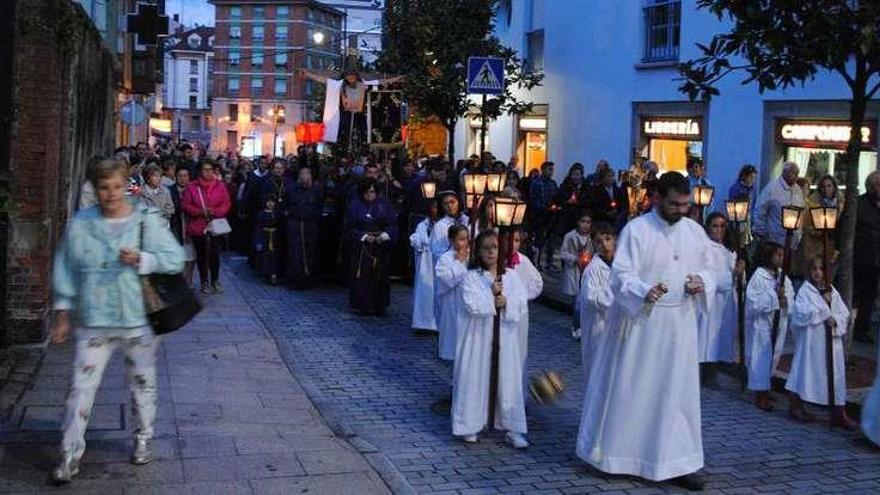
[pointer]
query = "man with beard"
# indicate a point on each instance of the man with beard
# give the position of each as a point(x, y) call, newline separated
point(641, 413)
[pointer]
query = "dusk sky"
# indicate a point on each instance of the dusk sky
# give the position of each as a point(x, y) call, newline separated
point(191, 11)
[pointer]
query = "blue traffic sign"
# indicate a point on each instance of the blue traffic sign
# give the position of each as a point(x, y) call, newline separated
point(486, 75)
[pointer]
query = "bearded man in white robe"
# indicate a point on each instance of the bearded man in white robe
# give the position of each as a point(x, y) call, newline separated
point(642, 406)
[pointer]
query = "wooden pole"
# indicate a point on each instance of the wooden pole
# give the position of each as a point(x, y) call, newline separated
point(741, 324)
point(774, 334)
point(496, 328)
point(829, 337)
point(482, 128)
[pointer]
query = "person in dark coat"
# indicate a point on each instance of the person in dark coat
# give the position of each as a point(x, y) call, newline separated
point(304, 202)
point(371, 228)
point(608, 201)
point(265, 238)
point(572, 198)
point(250, 204)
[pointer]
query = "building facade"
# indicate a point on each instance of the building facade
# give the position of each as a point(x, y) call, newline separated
point(362, 27)
point(189, 65)
point(258, 95)
point(610, 91)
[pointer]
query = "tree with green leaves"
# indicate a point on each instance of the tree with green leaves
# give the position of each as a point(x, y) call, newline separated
point(429, 42)
point(777, 44)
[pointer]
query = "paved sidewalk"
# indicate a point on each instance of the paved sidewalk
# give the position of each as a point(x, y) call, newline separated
point(232, 419)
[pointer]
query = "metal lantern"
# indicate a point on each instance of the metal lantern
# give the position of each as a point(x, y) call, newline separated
point(546, 387)
point(824, 218)
point(738, 210)
point(495, 182)
point(509, 212)
point(429, 189)
point(472, 200)
point(703, 195)
point(791, 217)
point(475, 183)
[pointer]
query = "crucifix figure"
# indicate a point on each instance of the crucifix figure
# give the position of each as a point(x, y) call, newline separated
point(345, 121)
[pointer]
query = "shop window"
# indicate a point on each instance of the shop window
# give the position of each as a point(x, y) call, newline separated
point(662, 26)
point(232, 140)
point(256, 113)
point(233, 112)
point(535, 54)
point(814, 163)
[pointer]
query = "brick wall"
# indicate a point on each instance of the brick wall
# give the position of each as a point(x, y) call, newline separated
point(61, 114)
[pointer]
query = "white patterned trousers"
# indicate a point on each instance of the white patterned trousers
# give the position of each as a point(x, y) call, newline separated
point(94, 348)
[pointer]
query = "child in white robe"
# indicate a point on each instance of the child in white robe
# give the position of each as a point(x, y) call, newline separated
point(718, 328)
point(423, 318)
point(764, 296)
point(813, 313)
point(485, 294)
point(451, 215)
point(448, 275)
point(534, 284)
point(596, 297)
point(575, 254)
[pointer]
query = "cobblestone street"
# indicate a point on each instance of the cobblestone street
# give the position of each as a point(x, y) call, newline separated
point(373, 380)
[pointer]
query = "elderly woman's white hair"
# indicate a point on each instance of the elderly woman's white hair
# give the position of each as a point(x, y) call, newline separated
point(789, 165)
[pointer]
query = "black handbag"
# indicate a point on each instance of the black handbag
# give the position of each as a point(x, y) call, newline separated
point(169, 301)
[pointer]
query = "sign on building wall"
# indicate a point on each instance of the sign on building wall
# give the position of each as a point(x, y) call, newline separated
point(689, 128)
point(830, 134)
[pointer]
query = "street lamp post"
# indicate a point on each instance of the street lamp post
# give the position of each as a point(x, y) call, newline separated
point(509, 214)
point(825, 221)
point(738, 214)
point(277, 112)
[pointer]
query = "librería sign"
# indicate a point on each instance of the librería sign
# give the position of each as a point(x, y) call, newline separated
point(683, 127)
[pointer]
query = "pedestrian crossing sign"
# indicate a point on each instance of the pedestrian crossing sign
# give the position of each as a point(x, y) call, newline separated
point(486, 75)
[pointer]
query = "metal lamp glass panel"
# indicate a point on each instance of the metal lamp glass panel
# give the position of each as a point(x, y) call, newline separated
point(791, 217)
point(475, 183)
point(737, 210)
point(824, 218)
point(429, 189)
point(509, 212)
point(495, 182)
point(471, 200)
point(703, 195)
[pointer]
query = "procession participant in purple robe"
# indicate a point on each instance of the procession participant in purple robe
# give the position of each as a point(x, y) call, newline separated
point(266, 237)
point(371, 227)
point(304, 203)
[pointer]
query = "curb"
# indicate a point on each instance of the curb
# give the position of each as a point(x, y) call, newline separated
point(391, 476)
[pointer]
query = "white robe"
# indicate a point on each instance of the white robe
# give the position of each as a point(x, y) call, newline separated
point(761, 302)
point(572, 245)
point(808, 377)
point(473, 356)
point(641, 411)
point(448, 276)
point(534, 284)
point(423, 285)
point(596, 299)
point(440, 235)
point(871, 407)
point(718, 328)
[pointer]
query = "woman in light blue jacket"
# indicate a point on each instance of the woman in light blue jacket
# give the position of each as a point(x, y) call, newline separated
point(97, 289)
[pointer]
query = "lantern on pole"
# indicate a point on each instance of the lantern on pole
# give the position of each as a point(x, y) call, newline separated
point(509, 214)
point(738, 214)
point(825, 221)
point(429, 189)
point(495, 182)
point(702, 195)
point(474, 189)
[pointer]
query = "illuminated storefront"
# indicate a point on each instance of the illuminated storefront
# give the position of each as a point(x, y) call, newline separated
point(817, 147)
point(671, 141)
point(531, 140)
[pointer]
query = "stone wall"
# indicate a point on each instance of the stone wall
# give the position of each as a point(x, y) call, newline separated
point(62, 92)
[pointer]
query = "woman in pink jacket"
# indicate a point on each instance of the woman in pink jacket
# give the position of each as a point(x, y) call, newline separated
point(206, 199)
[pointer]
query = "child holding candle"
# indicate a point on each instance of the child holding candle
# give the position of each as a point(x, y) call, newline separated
point(577, 250)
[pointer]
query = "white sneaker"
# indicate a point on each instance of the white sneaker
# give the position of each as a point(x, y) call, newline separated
point(470, 438)
point(66, 470)
point(517, 440)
